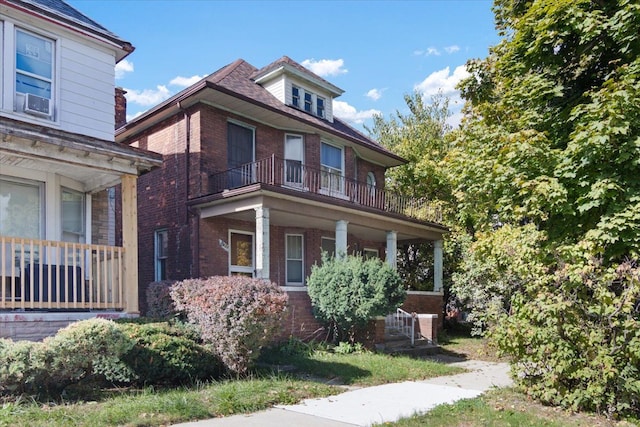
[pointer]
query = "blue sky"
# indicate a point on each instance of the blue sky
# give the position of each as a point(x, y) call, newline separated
point(376, 51)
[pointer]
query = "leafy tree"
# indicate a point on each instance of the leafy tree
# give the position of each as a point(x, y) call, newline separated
point(554, 123)
point(421, 137)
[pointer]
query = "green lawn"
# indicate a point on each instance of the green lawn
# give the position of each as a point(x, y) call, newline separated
point(312, 377)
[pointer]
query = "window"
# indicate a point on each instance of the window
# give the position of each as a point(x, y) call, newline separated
point(328, 245)
point(73, 223)
point(295, 251)
point(295, 96)
point(370, 253)
point(320, 107)
point(294, 157)
point(21, 209)
point(34, 73)
point(331, 166)
point(161, 250)
point(241, 253)
point(308, 102)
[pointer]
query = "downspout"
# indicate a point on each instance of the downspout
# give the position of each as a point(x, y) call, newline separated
point(195, 231)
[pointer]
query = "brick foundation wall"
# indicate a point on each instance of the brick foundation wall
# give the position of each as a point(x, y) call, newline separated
point(299, 321)
point(425, 303)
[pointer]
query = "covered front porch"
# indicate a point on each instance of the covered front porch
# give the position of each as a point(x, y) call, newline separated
point(68, 226)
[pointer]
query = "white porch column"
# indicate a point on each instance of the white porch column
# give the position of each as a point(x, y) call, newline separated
point(262, 243)
point(341, 239)
point(392, 249)
point(437, 265)
point(130, 241)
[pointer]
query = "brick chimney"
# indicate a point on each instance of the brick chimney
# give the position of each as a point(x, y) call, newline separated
point(121, 107)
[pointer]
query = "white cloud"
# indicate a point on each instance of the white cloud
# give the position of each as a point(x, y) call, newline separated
point(185, 81)
point(350, 114)
point(374, 94)
point(148, 97)
point(442, 81)
point(452, 49)
point(122, 68)
point(325, 67)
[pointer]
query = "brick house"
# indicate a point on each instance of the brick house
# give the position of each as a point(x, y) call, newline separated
point(259, 177)
point(58, 163)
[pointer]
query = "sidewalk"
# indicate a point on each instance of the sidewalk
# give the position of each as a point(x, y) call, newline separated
point(379, 404)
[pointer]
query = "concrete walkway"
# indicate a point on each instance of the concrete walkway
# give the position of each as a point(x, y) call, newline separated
point(379, 404)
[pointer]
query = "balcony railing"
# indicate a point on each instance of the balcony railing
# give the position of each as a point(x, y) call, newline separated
point(294, 175)
point(51, 275)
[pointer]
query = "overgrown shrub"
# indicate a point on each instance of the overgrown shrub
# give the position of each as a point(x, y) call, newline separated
point(88, 348)
point(23, 364)
point(159, 303)
point(575, 340)
point(237, 315)
point(347, 293)
point(167, 354)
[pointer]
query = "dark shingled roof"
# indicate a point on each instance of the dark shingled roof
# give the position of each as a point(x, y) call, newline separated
point(62, 11)
point(286, 60)
point(236, 80)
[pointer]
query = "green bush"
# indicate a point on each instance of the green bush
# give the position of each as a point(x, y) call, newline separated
point(347, 293)
point(575, 340)
point(237, 315)
point(22, 366)
point(165, 354)
point(89, 348)
point(159, 302)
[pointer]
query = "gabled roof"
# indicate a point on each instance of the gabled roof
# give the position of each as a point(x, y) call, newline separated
point(235, 79)
point(287, 64)
point(62, 12)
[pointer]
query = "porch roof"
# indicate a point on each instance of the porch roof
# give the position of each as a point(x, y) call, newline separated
point(292, 208)
point(97, 163)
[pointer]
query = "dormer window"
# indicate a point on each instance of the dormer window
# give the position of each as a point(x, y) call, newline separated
point(295, 96)
point(308, 102)
point(320, 107)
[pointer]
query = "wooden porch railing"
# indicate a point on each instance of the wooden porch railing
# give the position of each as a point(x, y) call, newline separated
point(293, 174)
point(52, 275)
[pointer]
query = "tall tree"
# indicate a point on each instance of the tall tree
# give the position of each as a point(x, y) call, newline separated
point(552, 134)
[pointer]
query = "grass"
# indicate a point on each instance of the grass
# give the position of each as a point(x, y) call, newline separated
point(315, 371)
point(363, 369)
point(151, 407)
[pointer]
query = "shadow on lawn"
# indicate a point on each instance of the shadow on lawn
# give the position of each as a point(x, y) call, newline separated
point(332, 373)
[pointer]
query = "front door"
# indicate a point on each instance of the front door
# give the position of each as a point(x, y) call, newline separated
point(240, 155)
point(241, 253)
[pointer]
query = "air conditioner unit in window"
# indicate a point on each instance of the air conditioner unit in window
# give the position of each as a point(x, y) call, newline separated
point(37, 105)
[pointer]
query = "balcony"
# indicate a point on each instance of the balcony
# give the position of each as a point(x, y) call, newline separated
point(52, 275)
point(294, 175)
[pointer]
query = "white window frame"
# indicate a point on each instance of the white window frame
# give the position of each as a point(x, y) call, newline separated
point(295, 99)
point(238, 268)
point(12, 100)
point(159, 257)
point(287, 259)
point(81, 236)
point(321, 111)
point(295, 183)
point(332, 172)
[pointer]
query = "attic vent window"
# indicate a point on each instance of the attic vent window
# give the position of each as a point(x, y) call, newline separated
point(320, 107)
point(307, 102)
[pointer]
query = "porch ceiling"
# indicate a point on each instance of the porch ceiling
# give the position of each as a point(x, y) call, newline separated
point(96, 163)
point(297, 212)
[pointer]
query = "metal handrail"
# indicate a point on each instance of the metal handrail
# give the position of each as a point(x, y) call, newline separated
point(293, 174)
point(404, 323)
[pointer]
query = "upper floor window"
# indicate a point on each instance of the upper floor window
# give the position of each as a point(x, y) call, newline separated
point(295, 96)
point(320, 107)
point(332, 167)
point(308, 101)
point(34, 73)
